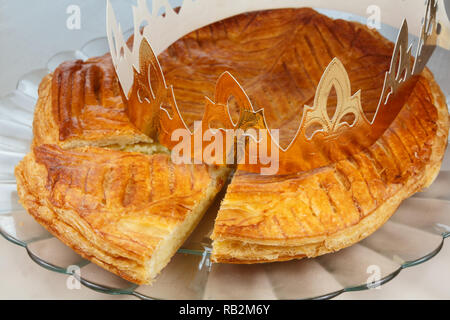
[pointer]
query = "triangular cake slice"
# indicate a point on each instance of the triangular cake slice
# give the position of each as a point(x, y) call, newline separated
point(129, 211)
point(125, 211)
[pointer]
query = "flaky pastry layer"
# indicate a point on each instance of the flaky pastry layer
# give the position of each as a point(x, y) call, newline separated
point(129, 212)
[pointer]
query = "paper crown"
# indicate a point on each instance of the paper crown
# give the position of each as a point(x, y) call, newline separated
point(151, 103)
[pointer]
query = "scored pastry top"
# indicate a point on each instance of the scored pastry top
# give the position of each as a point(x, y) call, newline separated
point(289, 78)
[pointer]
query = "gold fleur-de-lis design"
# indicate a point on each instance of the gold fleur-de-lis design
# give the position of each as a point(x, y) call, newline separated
point(316, 117)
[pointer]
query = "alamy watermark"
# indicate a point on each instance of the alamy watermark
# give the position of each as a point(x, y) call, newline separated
point(373, 281)
point(73, 21)
point(374, 19)
point(73, 280)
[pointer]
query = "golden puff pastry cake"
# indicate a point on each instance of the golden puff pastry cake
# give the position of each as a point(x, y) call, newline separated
point(112, 194)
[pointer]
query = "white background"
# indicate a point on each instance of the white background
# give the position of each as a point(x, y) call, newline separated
point(33, 31)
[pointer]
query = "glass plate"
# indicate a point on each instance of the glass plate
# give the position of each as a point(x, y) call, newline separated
point(412, 236)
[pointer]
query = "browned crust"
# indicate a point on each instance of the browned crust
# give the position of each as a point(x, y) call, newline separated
point(79, 105)
point(45, 129)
